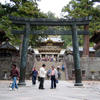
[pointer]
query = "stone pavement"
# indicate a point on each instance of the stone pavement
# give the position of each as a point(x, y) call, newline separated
point(65, 91)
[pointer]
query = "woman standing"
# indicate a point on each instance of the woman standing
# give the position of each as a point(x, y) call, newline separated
point(54, 77)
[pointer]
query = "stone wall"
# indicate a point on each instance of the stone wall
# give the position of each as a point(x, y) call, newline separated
point(5, 67)
point(6, 62)
point(90, 67)
point(97, 53)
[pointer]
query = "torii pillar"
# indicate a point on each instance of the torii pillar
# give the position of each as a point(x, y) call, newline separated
point(78, 77)
point(24, 55)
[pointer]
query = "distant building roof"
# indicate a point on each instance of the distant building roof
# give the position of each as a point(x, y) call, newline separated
point(36, 51)
point(7, 45)
point(54, 39)
point(62, 51)
point(81, 49)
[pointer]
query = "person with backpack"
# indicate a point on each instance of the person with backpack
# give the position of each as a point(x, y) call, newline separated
point(48, 73)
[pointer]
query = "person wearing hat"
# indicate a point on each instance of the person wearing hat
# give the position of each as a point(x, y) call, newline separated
point(42, 74)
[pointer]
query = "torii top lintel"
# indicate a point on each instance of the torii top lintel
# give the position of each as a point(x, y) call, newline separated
point(49, 22)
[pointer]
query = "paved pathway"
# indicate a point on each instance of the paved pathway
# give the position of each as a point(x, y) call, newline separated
point(65, 91)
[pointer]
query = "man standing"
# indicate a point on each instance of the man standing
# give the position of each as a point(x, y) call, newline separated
point(14, 74)
point(34, 75)
point(42, 74)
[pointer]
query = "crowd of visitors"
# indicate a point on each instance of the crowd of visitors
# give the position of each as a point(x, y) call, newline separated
point(53, 74)
point(49, 58)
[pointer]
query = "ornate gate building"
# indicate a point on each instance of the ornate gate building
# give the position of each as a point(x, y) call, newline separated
point(50, 49)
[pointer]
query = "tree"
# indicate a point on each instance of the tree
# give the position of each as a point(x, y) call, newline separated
point(51, 15)
point(83, 8)
point(26, 9)
point(4, 20)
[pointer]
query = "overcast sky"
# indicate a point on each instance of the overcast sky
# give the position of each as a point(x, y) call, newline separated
point(54, 6)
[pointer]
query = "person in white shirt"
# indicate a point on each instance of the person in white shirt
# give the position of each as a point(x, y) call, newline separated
point(42, 74)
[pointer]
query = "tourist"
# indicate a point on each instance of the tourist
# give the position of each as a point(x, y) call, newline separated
point(14, 74)
point(63, 68)
point(42, 74)
point(54, 77)
point(48, 73)
point(34, 75)
point(58, 67)
point(59, 73)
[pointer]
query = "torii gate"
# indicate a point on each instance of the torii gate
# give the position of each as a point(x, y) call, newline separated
point(50, 22)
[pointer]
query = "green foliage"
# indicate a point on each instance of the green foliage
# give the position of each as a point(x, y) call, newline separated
point(28, 9)
point(83, 8)
point(78, 9)
point(51, 15)
point(25, 9)
point(5, 22)
point(67, 40)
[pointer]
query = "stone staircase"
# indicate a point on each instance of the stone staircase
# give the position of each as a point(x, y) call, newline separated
point(48, 64)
